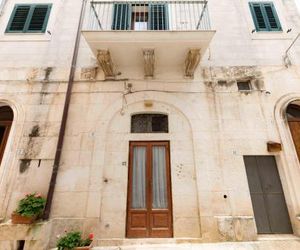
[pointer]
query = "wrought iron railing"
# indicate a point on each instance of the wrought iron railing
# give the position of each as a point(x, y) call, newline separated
point(148, 15)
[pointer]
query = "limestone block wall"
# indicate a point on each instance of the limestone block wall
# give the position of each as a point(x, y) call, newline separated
point(34, 69)
point(224, 125)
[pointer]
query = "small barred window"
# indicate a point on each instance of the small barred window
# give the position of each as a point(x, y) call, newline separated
point(149, 123)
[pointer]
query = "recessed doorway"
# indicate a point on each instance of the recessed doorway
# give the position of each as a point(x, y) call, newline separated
point(149, 203)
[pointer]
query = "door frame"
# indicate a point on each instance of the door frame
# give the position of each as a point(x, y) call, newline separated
point(169, 181)
point(7, 125)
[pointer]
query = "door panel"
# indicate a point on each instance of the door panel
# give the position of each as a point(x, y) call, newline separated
point(4, 132)
point(139, 177)
point(159, 178)
point(279, 217)
point(260, 213)
point(295, 131)
point(149, 212)
point(270, 210)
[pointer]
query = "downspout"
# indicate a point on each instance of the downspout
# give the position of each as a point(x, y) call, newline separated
point(286, 58)
point(64, 117)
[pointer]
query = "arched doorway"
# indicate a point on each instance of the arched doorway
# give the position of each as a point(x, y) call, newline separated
point(166, 134)
point(6, 119)
point(293, 118)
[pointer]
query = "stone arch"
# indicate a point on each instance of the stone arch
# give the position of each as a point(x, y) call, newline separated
point(288, 163)
point(117, 106)
point(6, 120)
point(116, 127)
point(9, 160)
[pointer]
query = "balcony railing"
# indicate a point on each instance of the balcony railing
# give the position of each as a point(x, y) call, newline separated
point(148, 15)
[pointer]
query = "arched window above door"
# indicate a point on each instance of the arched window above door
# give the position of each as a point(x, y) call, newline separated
point(293, 111)
point(6, 119)
point(149, 123)
point(293, 118)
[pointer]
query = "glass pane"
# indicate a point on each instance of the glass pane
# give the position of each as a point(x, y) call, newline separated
point(149, 123)
point(2, 131)
point(139, 178)
point(159, 178)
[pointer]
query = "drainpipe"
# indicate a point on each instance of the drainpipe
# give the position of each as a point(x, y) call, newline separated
point(286, 58)
point(64, 117)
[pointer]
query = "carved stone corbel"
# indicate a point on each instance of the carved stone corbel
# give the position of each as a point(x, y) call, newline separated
point(191, 62)
point(106, 63)
point(149, 59)
point(89, 73)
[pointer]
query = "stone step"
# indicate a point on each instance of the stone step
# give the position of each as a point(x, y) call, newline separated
point(145, 241)
point(264, 244)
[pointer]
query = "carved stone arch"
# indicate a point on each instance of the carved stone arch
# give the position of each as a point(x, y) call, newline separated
point(117, 106)
point(115, 127)
point(6, 120)
point(289, 166)
point(10, 159)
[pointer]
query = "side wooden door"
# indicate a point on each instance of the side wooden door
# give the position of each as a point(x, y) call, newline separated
point(268, 201)
point(295, 131)
point(149, 203)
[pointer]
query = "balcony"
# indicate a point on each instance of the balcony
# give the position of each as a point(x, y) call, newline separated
point(148, 36)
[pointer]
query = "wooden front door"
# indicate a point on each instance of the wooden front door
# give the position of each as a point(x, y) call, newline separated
point(295, 131)
point(149, 204)
point(268, 201)
point(4, 132)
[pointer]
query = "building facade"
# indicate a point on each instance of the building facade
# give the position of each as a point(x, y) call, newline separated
point(183, 119)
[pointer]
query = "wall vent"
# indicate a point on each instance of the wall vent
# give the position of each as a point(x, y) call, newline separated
point(244, 86)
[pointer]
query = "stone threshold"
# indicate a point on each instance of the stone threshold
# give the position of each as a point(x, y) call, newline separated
point(288, 244)
point(275, 237)
point(145, 241)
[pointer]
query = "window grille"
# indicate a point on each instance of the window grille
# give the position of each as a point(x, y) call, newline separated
point(149, 123)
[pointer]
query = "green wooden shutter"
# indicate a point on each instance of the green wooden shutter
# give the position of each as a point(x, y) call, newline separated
point(29, 18)
point(264, 16)
point(39, 19)
point(158, 17)
point(272, 18)
point(121, 17)
point(258, 17)
point(18, 18)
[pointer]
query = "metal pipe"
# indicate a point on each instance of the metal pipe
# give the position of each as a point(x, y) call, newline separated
point(286, 52)
point(64, 117)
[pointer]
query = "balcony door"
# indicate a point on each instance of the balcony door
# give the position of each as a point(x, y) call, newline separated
point(140, 16)
point(149, 206)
